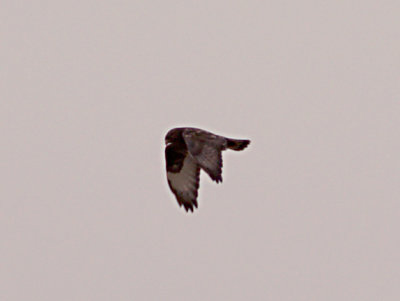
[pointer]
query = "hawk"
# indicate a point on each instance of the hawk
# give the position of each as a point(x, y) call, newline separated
point(188, 150)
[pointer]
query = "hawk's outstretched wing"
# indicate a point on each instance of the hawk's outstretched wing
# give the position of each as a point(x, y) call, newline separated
point(206, 150)
point(183, 175)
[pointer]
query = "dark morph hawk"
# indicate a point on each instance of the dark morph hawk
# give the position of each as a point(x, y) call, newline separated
point(188, 150)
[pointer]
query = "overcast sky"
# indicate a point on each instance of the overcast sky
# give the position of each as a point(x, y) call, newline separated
point(310, 211)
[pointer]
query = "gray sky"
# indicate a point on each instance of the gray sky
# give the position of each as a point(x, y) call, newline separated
point(310, 211)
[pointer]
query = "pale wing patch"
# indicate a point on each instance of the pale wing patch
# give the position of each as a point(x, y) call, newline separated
point(185, 183)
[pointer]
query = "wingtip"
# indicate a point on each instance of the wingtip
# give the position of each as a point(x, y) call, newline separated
point(216, 178)
point(189, 207)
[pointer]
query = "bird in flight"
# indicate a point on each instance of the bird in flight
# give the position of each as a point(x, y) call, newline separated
point(187, 151)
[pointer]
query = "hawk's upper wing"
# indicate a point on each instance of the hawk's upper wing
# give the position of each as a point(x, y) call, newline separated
point(183, 175)
point(206, 150)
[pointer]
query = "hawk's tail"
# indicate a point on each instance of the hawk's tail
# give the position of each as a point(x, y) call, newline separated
point(237, 144)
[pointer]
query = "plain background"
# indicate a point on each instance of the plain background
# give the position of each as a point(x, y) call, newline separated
point(310, 211)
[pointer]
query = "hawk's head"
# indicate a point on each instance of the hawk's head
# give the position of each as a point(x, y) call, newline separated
point(174, 135)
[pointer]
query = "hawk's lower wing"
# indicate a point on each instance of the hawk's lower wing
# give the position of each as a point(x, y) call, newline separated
point(185, 182)
point(206, 150)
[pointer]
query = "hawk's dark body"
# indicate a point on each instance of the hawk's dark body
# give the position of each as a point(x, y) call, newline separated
point(189, 150)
